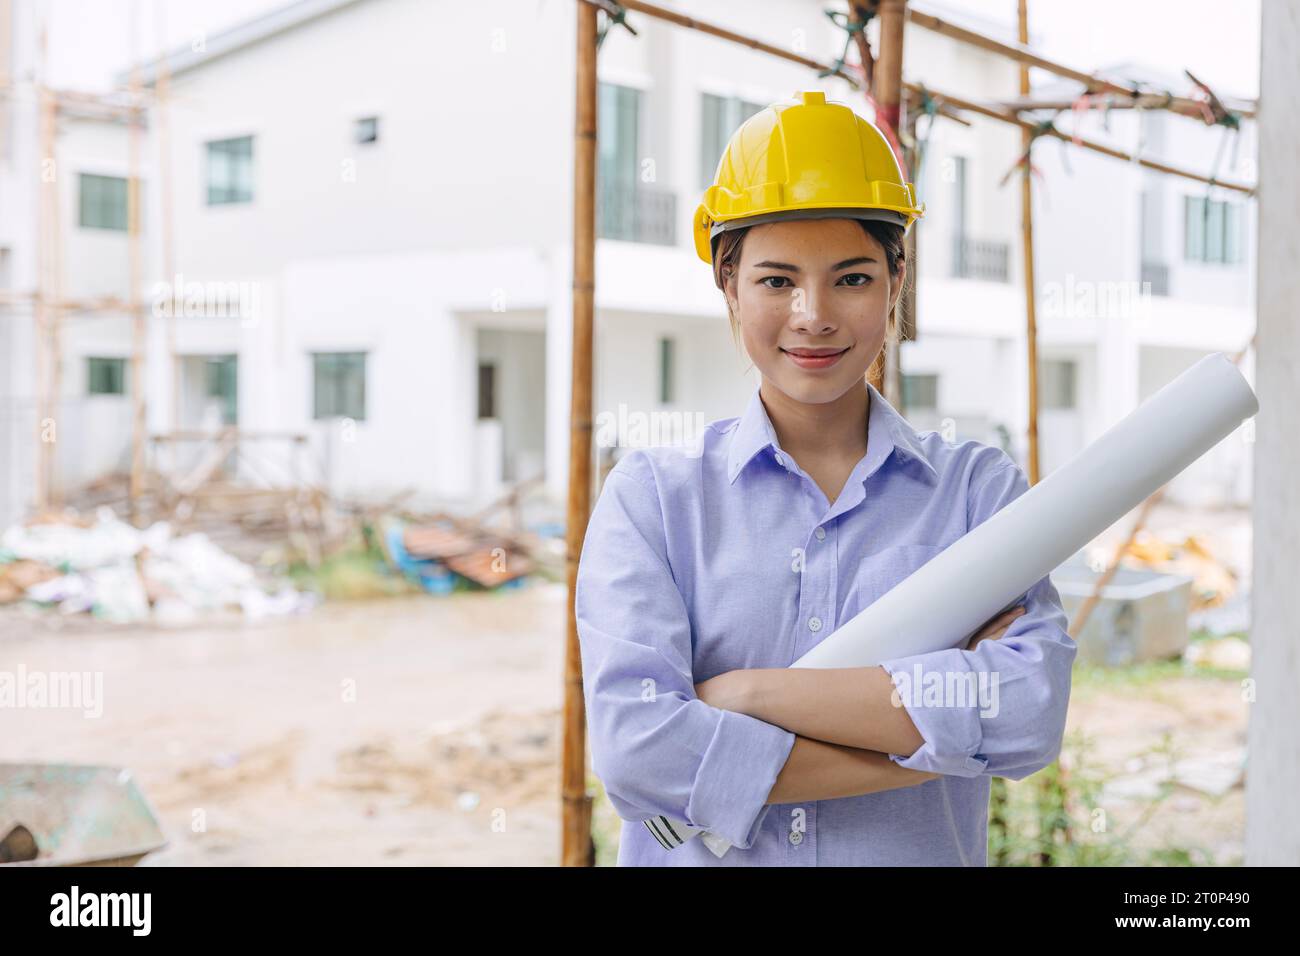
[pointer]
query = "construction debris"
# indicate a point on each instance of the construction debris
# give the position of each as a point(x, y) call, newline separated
point(435, 552)
point(121, 574)
point(1213, 582)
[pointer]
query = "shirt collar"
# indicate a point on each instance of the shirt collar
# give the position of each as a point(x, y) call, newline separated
point(888, 433)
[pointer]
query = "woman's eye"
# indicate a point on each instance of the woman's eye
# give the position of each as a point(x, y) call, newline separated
point(768, 279)
point(857, 275)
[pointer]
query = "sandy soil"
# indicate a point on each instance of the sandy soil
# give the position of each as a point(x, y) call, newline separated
point(420, 731)
point(449, 751)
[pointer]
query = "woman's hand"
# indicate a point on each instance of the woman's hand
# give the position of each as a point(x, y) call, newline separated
point(996, 627)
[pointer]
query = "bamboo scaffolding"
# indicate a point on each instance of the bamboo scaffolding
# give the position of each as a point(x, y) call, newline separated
point(48, 306)
point(949, 100)
point(1005, 117)
point(576, 803)
point(1023, 54)
point(693, 23)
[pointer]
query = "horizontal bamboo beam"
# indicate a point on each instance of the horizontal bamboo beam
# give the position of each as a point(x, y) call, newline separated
point(1011, 118)
point(722, 33)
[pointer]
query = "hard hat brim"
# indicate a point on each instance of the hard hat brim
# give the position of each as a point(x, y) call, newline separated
point(707, 244)
point(879, 215)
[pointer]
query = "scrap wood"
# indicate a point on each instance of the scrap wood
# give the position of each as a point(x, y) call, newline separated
point(437, 542)
point(1213, 582)
point(17, 576)
point(491, 568)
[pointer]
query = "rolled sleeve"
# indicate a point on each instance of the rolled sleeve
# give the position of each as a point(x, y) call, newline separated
point(659, 749)
point(1000, 709)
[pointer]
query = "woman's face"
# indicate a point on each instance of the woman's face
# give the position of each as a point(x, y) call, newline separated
point(812, 298)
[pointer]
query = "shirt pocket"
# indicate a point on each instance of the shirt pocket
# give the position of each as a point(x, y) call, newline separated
point(879, 573)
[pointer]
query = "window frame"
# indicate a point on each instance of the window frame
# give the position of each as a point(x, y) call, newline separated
point(231, 194)
point(319, 366)
point(99, 205)
point(106, 361)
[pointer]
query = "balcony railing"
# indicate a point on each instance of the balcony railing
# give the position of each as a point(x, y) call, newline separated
point(980, 259)
point(635, 212)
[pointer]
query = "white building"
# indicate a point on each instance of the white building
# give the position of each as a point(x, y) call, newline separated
point(87, 169)
point(385, 187)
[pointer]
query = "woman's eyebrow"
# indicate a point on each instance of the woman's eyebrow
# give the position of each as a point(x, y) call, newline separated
point(769, 264)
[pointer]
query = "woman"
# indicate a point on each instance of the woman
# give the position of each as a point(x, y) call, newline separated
point(706, 572)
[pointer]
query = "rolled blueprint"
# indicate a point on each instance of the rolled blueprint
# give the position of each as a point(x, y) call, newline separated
point(988, 569)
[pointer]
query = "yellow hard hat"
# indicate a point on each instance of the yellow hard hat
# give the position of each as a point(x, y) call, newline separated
point(804, 159)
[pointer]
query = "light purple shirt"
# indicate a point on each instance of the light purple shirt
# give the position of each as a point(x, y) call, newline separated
point(727, 555)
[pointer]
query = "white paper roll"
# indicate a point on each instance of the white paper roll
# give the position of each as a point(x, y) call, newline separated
point(986, 570)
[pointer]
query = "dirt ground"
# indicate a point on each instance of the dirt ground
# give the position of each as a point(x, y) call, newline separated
point(406, 731)
point(426, 731)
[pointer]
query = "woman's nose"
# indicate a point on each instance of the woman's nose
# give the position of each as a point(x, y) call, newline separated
point(808, 312)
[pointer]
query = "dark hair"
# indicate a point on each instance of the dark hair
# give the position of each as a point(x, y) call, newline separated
point(726, 252)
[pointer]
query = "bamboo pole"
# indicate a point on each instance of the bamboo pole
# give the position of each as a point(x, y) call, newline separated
point(888, 76)
point(1027, 245)
point(139, 329)
point(162, 115)
point(577, 848)
point(1005, 117)
point(45, 309)
point(1022, 54)
point(1105, 100)
point(1049, 782)
point(692, 23)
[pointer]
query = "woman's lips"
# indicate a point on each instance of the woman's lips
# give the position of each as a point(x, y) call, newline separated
point(814, 358)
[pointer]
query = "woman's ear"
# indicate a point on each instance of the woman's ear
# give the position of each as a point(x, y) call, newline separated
point(898, 283)
point(729, 288)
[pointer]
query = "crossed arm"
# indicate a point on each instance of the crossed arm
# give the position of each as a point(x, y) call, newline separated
point(846, 721)
point(844, 724)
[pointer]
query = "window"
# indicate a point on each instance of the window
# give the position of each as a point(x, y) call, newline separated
point(1212, 230)
point(630, 206)
point(667, 371)
point(230, 171)
point(222, 372)
point(618, 128)
point(366, 129)
point(105, 376)
point(340, 385)
point(720, 117)
point(103, 202)
point(1056, 386)
point(1154, 271)
point(487, 390)
point(920, 392)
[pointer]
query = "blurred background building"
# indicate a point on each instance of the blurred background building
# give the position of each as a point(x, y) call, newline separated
point(370, 230)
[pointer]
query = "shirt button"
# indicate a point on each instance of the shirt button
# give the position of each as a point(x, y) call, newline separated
point(814, 624)
point(796, 837)
point(821, 534)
